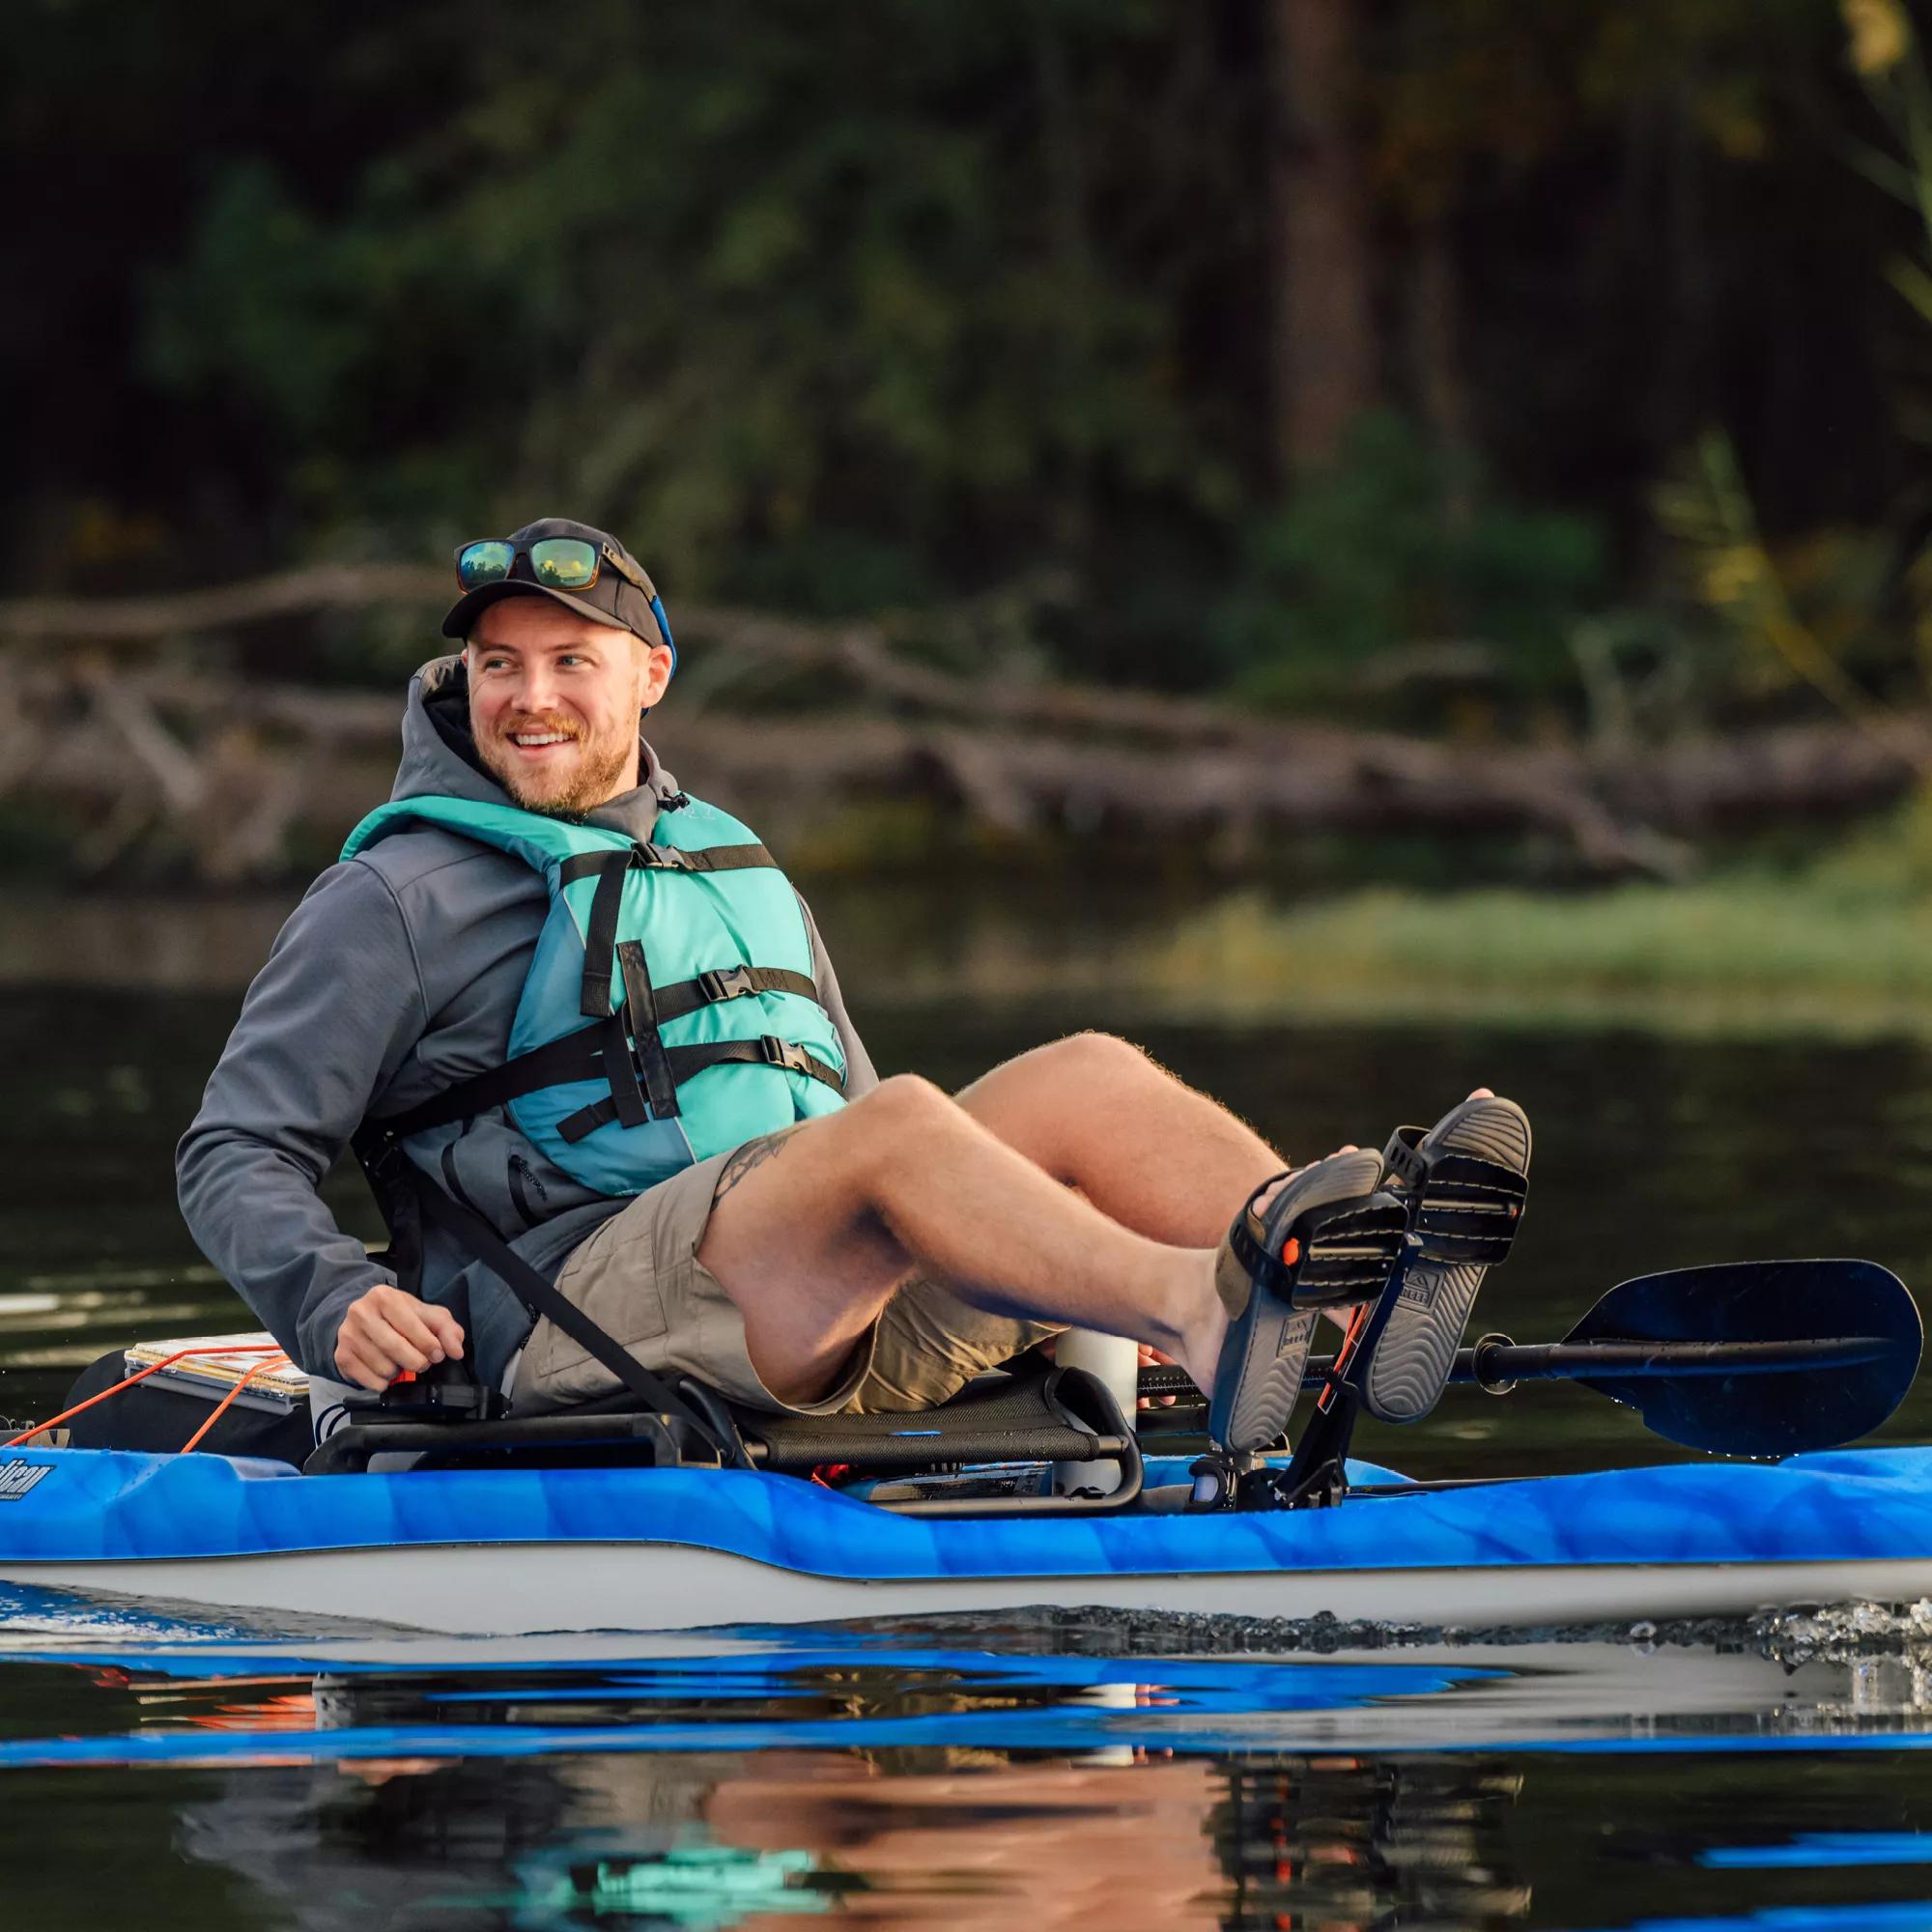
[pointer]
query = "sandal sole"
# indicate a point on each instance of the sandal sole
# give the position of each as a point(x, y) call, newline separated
point(1347, 1254)
point(1409, 1367)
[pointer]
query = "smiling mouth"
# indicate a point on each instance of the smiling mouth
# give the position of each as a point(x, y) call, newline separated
point(539, 741)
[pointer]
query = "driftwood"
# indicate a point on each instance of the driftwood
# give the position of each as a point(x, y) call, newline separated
point(226, 769)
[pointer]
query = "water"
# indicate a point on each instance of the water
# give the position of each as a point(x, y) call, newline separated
point(1051, 1772)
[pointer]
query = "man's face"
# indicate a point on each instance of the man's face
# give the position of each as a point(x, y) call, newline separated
point(554, 703)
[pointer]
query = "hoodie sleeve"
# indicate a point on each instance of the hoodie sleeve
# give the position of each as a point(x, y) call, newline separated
point(328, 1019)
point(861, 1077)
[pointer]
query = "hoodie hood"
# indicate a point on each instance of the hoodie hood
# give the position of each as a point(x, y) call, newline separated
point(439, 756)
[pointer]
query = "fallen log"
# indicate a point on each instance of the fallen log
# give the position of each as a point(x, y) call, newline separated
point(226, 769)
point(862, 655)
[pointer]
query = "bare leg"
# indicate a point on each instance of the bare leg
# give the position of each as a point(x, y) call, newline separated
point(1146, 1149)
point(814, 1229)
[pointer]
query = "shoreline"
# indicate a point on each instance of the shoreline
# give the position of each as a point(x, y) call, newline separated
point(1722, 959)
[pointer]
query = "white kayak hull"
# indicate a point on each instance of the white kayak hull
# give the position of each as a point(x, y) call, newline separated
point(503, 1590)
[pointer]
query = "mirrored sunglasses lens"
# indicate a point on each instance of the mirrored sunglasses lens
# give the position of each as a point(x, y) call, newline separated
point(483, 563)
point(564, 563)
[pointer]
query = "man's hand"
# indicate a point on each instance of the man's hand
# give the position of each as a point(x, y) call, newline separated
point(388, 1330)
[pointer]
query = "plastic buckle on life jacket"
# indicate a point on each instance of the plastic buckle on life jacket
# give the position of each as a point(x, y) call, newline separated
point(660, 858)
point(782, 1053)
point(726, 983)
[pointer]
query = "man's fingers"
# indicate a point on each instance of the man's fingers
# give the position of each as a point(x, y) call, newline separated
point(379, 1343)
point(387, 1330)
point(416, 1342)
point(429, 1329)
point(361, 1369)
point(406, 1353)
point(446, 1328)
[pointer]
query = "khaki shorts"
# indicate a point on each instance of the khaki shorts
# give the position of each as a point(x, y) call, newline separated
point(639, 1279)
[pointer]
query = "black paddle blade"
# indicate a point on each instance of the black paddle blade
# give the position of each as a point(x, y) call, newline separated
point(1762, 1414)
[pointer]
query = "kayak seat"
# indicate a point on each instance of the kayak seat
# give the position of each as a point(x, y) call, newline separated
point(1063, 1416)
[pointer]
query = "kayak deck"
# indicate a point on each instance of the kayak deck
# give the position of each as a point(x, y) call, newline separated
point(641, 1548)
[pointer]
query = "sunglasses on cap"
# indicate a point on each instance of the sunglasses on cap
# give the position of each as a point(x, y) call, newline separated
point(557, 563)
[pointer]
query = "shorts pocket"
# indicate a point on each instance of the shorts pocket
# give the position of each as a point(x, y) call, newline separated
point(613, 1281)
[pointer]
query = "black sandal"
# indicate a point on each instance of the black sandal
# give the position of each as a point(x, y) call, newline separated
point(1463, 1185)
point(1331, 1237)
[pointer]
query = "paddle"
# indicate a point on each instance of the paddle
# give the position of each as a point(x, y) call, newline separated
point(1743, 1358)
point(1746, 1358)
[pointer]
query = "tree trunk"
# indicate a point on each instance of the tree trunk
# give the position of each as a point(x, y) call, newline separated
point(1327, 362)
point(1434, 355)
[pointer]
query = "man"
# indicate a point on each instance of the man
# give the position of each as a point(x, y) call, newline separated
point(875, 1245)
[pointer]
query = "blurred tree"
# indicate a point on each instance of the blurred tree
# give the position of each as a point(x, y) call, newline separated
point(810, 297)
point(841, 308)
point(1326, 348)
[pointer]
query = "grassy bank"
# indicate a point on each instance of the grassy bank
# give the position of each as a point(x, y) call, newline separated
point(1837, 942)
point(1840, 943)
point(1729, 956)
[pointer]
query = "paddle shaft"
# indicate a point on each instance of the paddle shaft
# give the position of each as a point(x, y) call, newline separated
point(1494, 1363)
point(1499, 1363)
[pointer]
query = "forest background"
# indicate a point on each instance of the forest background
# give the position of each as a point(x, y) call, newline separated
point(1221, 498)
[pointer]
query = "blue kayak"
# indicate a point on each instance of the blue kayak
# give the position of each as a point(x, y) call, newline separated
point(535, 1549)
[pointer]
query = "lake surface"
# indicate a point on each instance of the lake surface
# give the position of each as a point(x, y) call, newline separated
point(1042, 1773)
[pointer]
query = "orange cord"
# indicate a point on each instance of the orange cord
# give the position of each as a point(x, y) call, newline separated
point(1357, 1321)
point(155, 1369)
point(275, 1361)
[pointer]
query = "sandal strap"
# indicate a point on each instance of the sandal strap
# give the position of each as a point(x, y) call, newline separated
point(1464, 1207)
point(1248, 1237)
point(1400, 1157)
point(1347, 1248)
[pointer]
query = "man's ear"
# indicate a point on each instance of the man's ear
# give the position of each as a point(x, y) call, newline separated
point(656, 677)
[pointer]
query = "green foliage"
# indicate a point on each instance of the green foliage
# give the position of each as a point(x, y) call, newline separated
point(1404, 542)
point(765, 296)
point(1805, 613)
point(873, 306)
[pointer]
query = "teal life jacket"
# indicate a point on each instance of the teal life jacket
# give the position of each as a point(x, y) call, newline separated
point(669, 1013)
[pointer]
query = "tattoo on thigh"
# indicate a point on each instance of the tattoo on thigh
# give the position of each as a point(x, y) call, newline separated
point(753, 1154)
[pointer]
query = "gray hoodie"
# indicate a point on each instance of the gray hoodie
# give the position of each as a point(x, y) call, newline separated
point(398, 974)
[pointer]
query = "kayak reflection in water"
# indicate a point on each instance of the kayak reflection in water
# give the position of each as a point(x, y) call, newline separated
point(959, 1836)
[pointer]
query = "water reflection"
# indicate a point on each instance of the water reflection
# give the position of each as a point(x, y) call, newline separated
point(935, 1837)
point(890, 1783)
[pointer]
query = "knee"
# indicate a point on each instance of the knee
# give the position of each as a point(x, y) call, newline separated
point(1096, 1058)
point(903, 1106)
point(893, 1130)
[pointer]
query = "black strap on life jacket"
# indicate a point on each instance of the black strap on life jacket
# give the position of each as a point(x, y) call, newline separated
point(393, 1173)
point(623, 1047)
point(603, 1052)
point(600, 936)
point(647, 857)
point(767, 1050)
